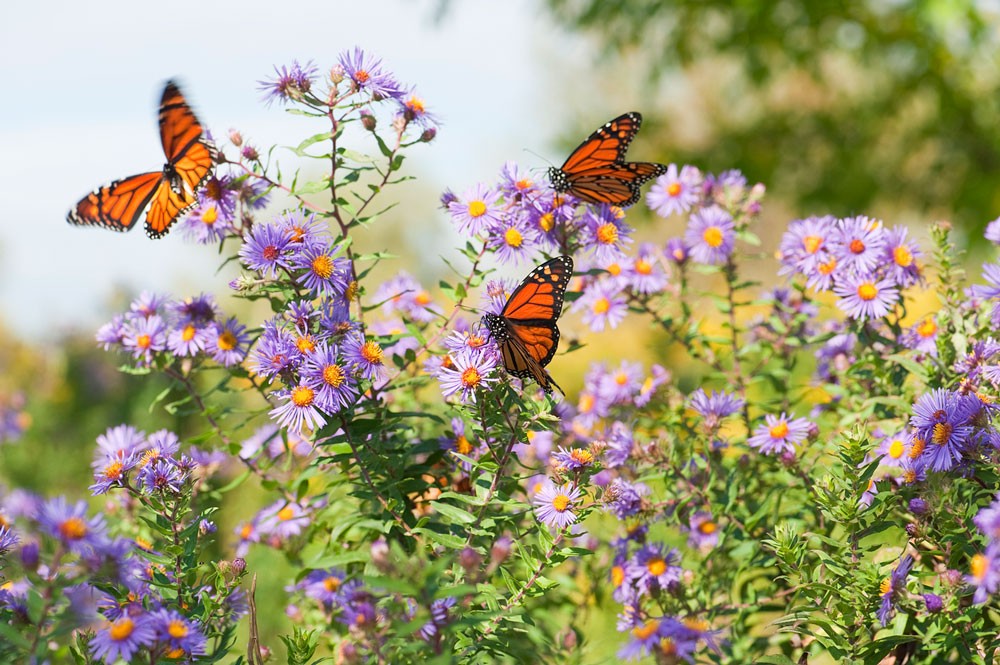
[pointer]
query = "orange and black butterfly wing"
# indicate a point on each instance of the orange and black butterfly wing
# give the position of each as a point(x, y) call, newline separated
point(616, 184)
point(605, 146)
point(167, 205)
point(539, 298)
point(117, 205)
point(517, 360)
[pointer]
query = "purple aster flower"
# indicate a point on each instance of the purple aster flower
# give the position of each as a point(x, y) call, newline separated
point(187, 340)
point(160, 476)
point(620, 441)
point(603, 306)
point(323, 585)
point(620, 385)
point(658, 375)
point(497, 293)
point(572, 459)
point(365, 356)
point(7, 539)
point(471, 340)
point(984, 573)
point(627, 500)
point(119, 442)
point(144, 337)
point(325, 273)
point(199, 311)
point(940, 418)
point(227, 342)
point(181, 636)
point(265, 248)
point(892, 587)
point(274, 352)
point(710, 235)
point(645, 274)
point(205, 225)
point(900, 257)
point(823, 273)
point(414, 109)
point(113, 473)
point(991, 273)
point(728, 178)
point(111, 334)
point(404, 294)
point(69, 523)
point(677, 250)
point(837, 353)
point(591, 406)
point(283, 520)
point(674, 193)
point(366, 73)
point(300, 314)
point(922, 336)
point(863, 297)
point(988, 520)
point(300, 410)
point(805, 243)
point(513, 182)
point(476, 210)
point(302, 229)
point(713, 408)
point(779, 434)
point(160, 444)
point(555, 505)
point(703, 531)
point(148, 305)
point(288, 83)
point(893, 448)
point(665, 635)
point(993, 231)
point(439, 618)
point(512, 240)
point(122, 639)
point(859, 243)
point(472, 370)
point(605, 233)
point(650, 568)
point(933, 603)
point(336, 387)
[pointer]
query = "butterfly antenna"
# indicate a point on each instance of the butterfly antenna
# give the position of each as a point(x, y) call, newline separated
point(553, 382)
point(541, 157)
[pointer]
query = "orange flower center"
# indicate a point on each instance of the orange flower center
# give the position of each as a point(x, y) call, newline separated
point(857, 246)
point(73, 529)
point(423, 298)
point(621, 378)
point(668, 647)
point(361, 76)
point(927, 328)
point(322, 266)
point(121, 629)
point(712, 236)
point(903, 256)
point(674, 189)
point(415, 104)
point(707, 528)
point(210, 215)
point(942, 433)
point(523, 184)
point(582, 456)
point(812, 243)
point(618, 575)
point(646, 631)
point(306, 344)
point(917, 448)
point(867, 291)
point(143, 341)
point(643, 267)
point(586, 402)
point(286, 514)
point(547, 222)
point(246, 531)
point(980, 564)
point(601, 306)
point(331, 583)
point(607, 234)
point(333, 375)
point(372, 353)
point(188, 333)
point(177, 629)
point(462, 445)
point(656, 566)
point(303, 396)
point(828, 267)
point(227, 340)
point(471, 377)
point(113, 471)
point(779, 431)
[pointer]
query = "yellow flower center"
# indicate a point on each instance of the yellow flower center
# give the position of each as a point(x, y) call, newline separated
point(246, 531)
point(618, 575)
point(415, 104)
point(779, 431)
point(331, 583)
point(582, 456)
point(547, 222)
point(423, 298)
point(621, 378)
point(150, 455)
point(513, 237)
point(561, 503)
point(696, 624)
point(73, 529)
point(601, 306)
point(903, 256)
point(143, 341)
point(462, 445)
point(927, 328)
point(177, 629)
point(586, 402)
point(614, 269)
point(306, 344)
point(917, 448)
point(646, 631)
point(668, 647)
point(372, 353)
point(885, 586)
point(227, 340)
point(828, 267)
point(707, 528)
point(522, 184)
point(121, 629)
point(174, 653)
point(867, 291)
point(113, 471)
point(812, 243)
point(643, 267)
point(188, 333)
point(674, 188)
point(857, 246)
point(942, 432)
point(896, 449)
point(333, 375)
point(656, 566)
point(322, 266)
point(477, 209)
point(909, 476)
point(471, 377)
point(607, 234)
point(713, 236)
point(303, 396)
point(210, 215)
point(352, 291)
point(286, 514)
point(980, 564)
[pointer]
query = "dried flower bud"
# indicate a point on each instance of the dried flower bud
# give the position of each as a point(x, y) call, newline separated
point(470, 560)
point(265, 652)
point(381, 556)
point(952, 577)
point(428, 135)
point(250, 152)
point(337, 74)
point(225, 567)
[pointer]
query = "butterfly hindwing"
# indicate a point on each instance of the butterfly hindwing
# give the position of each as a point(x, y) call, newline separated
point(117, 205)
point(166, 207)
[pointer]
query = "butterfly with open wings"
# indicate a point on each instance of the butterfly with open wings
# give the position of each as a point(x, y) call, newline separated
point(168, 193)
point(597, 172)
point(525, 330)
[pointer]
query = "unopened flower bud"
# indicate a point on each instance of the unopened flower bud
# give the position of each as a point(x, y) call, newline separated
point(206, 527)
point(788, 458)
point(239, 566)
point(265, 652)
point(381, 556)
point(952, 577)
point(912, 529)
point(428, 135)
point(500, 551)
point(470, 560)
point(566, 638)
point(337, 74)
point(29, 556)
point(812, 431)
point(918, 506)
point(225, 567)
point(235, 138)
point(943, 224)
point(367, 120)
point(933, 603)
point(250, 152)
point(347, 653)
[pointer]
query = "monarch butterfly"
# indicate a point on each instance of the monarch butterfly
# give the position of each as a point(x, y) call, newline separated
point(190, 157)
point(597, 171)
point(526, 328)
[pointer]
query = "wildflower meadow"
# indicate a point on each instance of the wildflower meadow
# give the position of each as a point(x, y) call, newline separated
point(812, 479)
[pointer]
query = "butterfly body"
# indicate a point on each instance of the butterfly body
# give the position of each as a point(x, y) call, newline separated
point(168, 193)
point(526, 330)
point(597, 172)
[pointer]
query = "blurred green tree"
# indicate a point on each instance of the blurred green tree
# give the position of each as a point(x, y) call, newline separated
point(839, 106)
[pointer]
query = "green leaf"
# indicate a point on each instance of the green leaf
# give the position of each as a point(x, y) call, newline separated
point(453, 512)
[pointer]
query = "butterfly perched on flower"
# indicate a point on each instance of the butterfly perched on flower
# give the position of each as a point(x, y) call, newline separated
point(168, 193)
point(597, 172)
point(525, 330)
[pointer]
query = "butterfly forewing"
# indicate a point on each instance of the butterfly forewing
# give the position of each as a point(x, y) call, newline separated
point(117, 205)
point(179, 128)
point(540, 296)
point(607, 144)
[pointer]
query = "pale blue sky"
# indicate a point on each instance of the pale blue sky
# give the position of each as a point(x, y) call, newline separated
point(81, 81)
